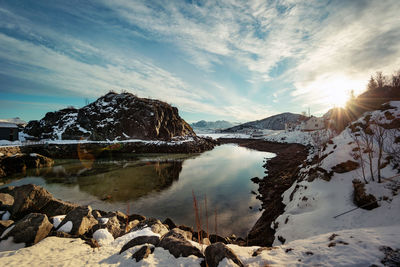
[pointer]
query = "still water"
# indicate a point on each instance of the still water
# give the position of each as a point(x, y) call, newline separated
point(161, 185)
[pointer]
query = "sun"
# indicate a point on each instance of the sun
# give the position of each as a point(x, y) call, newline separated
point(338, 97)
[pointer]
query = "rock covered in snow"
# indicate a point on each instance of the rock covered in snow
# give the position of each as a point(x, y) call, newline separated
point(113, 116)
point(217, 252)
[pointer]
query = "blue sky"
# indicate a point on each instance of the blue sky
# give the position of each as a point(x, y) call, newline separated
point(233, 60)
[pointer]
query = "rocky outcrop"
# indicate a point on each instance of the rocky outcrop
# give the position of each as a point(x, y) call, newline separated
point(32, 198)
point(113, 116)
point(142, 253)
point(19, 163)
point(345, 166)
point(217, 252)
point(361, 198)
point(30, 230)
point(140, 240)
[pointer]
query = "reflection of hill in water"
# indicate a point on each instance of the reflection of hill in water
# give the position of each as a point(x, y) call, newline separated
point(119, 181)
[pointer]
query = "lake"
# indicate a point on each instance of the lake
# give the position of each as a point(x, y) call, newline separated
point(161, 185)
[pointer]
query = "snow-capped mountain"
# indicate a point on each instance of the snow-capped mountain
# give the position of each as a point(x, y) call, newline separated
point(276, 122)
point(212, 125)
point(113, 116)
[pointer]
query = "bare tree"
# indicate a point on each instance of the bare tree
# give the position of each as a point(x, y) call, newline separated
point(320, 138)
point(372, 84)
point(393, 146)
point(367, 139)
point(379, 135)
point(396, 80)
point(358, 153)
point(380, 79)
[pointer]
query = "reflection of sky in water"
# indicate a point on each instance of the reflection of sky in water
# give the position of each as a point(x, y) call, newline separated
point(223, 174)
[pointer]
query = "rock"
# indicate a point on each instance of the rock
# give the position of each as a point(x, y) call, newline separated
point(113, 225)
point(82, 220)
point(4, 224)
point(31, 229)
point(155, 225)
point(140, 240)
point(345, 166)
point(32, 198)
point(216, 238)
point(131, 118)
point(19, 163)
point(6, 201)
point(361, 198)
point(175, 241)
point(170, 223)
point(217, 252)
point(142, 253)
point(138, 217)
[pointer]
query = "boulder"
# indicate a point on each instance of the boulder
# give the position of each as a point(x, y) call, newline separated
point(361, 198)
point(176, 242)
point(4, 224)
point(82, 220)
point(113, 225)
point(142, 253)
point(140, 240)
point(170, 223)
point(30, 230)
point(138, 217)
point(6, 201)
point(32, 198)
point(155, 225)
point(217, 252)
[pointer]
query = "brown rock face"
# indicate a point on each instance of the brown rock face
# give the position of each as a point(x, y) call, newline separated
point(31, 229)
point(113, 116)
point(361, 198)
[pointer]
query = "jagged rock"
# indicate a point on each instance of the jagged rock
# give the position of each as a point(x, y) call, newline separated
point(216, 238)
point(217, 252)
point(142, 253)
point(176, 242)
point(32, 198)
point(113, 226)
point(170, 223)
point(345, 166)
point(19, 163)
point(82, 220)
point(122, 116)
point(361, 198)
point(6, 201)
point(31, 229)
point(155, 225)
point(140, 240)
point(4, 224)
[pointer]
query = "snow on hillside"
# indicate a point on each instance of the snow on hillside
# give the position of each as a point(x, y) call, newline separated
point(312, 204)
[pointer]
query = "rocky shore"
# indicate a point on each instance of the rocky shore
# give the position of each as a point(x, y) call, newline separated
point(15, 160)
point(282, 172)
point(30, 213)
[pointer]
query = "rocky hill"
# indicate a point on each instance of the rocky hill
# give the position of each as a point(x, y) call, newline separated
point(113, 116)
point(276, 122)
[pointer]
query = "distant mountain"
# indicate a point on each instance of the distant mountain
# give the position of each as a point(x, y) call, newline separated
point(212, 125)
point(113, 116)
point(276, 122)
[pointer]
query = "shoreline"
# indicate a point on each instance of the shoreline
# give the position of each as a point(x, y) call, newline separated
point(281, 172)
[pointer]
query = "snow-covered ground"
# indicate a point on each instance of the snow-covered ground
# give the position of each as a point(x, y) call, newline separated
point(312, 205)
point(356, 247)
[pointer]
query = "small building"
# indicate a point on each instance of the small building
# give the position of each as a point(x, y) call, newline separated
point(8, 131)
point(313, 123)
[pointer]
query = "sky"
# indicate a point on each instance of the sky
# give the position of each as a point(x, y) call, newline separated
point(214, 60)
